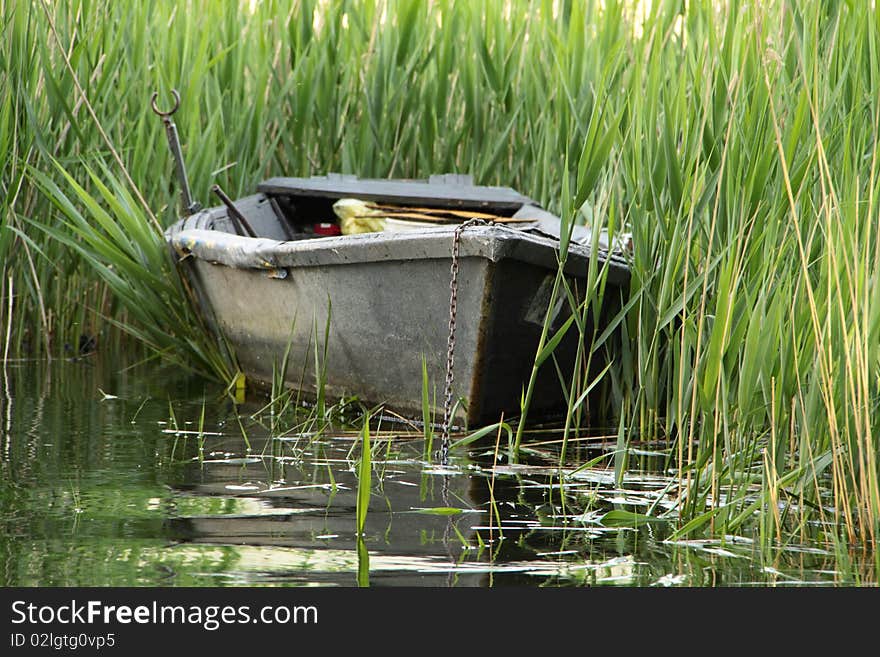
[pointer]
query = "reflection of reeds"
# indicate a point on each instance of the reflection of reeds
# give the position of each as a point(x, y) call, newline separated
point(737, 143)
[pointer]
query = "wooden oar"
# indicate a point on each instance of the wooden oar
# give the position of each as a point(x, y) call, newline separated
point(465, 214)
point(441, 215)
point(442, 220)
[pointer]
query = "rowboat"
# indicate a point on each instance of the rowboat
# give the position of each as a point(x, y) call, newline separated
point(367, 314)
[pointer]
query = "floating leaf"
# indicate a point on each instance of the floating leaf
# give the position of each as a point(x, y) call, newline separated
point(620, 518)
point(439, 511)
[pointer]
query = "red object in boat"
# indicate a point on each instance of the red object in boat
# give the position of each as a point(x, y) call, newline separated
point(327, 229)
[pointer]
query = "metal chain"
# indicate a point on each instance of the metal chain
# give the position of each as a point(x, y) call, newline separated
point(450, 342)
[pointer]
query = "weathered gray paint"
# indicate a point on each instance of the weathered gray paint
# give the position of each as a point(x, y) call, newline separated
point(387, 298)
point(443, 192)
point(493, 243)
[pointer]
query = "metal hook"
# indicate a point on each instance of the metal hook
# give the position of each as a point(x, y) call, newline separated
point(189, 205)
point(169, 112)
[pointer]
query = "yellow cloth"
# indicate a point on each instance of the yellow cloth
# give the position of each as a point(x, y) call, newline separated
point(357, 217)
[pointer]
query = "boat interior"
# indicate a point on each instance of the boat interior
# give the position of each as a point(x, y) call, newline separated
point(287, 209)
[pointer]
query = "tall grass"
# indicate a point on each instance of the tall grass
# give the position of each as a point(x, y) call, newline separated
point(736, 141)
point(748, 177)
point(380, 89)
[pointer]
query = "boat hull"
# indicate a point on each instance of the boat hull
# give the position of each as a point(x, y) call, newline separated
point(382, 301)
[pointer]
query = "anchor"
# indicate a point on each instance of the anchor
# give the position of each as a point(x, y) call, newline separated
point(190, 206)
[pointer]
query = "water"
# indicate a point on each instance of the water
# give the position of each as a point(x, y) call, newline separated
point(142, 476)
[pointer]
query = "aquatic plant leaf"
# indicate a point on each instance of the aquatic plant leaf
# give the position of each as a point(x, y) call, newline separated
point(485, 431)
point(694, 524)
point(621, 518)
point(440, 511)
point(363, 569)
point(364, 479)
point(553, 342)
point(427, 416)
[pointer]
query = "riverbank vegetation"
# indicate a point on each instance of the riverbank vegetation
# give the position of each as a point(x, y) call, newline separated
point(736, 142)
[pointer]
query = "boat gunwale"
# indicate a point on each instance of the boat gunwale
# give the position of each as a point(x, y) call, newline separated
point(434, 243)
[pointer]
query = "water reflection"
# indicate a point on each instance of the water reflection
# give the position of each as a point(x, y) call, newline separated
point(142, 476)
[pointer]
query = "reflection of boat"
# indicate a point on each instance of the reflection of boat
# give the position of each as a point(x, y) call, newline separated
point(385, 296)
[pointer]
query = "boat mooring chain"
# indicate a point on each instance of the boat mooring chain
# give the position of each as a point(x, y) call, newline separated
point(450, 342)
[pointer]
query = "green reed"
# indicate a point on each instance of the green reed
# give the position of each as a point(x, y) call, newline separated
point(736, 142)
